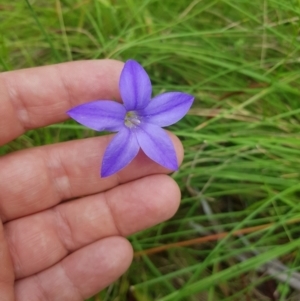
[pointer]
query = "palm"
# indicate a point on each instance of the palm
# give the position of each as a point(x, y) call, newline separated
point(69, 251)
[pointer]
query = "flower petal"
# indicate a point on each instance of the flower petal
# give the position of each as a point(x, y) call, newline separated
point(157, 145)
point(135, 86)
point(167, 108)
point(100, 115)
point(119, 153)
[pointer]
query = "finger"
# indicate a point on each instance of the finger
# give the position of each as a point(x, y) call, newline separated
point(36, 97)
point(80, 275)
point(37, 242)
point(44, 176)
point(6, 271)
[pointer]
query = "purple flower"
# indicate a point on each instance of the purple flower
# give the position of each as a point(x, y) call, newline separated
point(138, 120)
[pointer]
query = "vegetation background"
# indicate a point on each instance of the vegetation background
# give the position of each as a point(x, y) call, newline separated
point(236, 234)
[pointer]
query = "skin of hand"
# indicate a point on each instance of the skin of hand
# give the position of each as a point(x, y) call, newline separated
point(63, 227)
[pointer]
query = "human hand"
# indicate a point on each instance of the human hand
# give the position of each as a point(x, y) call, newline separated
point(63, 230)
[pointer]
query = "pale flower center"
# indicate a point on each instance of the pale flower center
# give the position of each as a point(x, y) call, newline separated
point(132, 119)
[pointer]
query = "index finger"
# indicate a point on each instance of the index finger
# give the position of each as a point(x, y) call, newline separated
point(40, 96)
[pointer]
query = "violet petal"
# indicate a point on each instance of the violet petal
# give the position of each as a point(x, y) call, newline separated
point(100, 115)
point(120, 152)
point(135, 86)
point(157, 145)
point(167, 108)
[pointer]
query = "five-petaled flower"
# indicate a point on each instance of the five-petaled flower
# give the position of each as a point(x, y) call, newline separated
point(138, 120)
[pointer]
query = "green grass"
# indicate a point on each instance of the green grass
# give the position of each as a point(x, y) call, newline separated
point(240, 58)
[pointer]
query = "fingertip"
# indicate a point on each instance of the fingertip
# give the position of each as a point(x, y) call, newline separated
point(178, 147)
point(171, 196)
point(147, 201)
point(167, 198)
